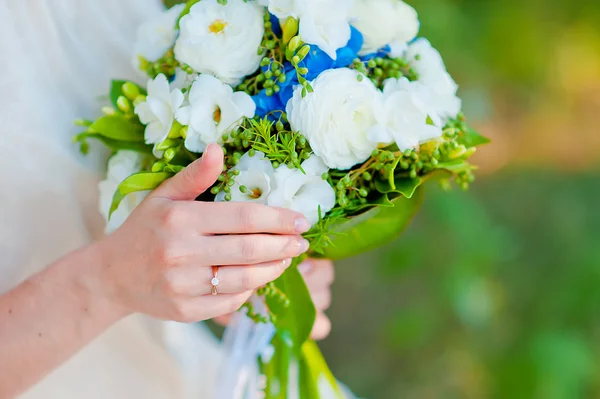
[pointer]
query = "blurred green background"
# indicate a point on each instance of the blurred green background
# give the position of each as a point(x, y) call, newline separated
point(493, 293)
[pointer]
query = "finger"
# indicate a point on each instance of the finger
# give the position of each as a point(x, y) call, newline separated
point(200, 308)
point(198, 177)
point(251, 249)
point(317, 273)
point(197, 280)
point(247, 218)
point(321, 328)
point(321, 299)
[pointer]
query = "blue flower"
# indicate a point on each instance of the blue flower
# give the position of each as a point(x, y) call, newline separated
point(318, 61)
point(275, 26)
point(265, 105)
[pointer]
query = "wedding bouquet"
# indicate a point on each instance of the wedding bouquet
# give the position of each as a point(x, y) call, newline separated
point(332, 108)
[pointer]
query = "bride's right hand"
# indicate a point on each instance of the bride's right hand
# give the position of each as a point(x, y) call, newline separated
point(160, 261)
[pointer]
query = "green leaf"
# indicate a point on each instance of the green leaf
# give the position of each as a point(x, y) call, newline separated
point(138, 182)
point(471, 138)
point(404, 186)
point(118, 127)
point(295, 322)
point(116, 145)
point(373, 228)
point(116, 91)
point(313, 371)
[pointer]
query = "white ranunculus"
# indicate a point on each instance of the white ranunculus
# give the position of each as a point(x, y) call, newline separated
point(214, 108)
point(157, 35)
point(323, 23)
point(120, 166)
point(158, 111)
point(336, 117)
point(256, 175)
point(403, 117)
point(303, 192)
point(431, 71)
point(384, 22)
point(222, 40)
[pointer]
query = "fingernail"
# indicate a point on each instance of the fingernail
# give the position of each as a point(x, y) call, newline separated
point(286, 262)
point(303, 246)
point(301, 225)
point(305, 267)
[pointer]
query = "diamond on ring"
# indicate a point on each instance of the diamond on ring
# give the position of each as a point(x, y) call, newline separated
point(215, 280)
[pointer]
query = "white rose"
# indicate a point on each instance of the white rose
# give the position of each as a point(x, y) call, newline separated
point(431, 71)
point(158, 111)
point(384, 22)
point(256, 175)
point(336, 117)
point(303, 192)
point(157, 35)
point(404, 115)
point(213, 109)
point(323, 23)
point(120, 166)
point(222, 40)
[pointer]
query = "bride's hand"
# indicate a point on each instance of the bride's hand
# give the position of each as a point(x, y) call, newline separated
point(160, 261)
point(319, 275)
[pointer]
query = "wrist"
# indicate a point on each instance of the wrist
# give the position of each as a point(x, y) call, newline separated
point(96, 283)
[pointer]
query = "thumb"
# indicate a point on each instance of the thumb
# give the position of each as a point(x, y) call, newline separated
point(198, 177)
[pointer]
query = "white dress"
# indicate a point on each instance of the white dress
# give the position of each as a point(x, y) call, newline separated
point(56, 60)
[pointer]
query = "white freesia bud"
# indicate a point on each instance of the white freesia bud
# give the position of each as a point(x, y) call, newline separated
point(222, 40)
point(303, 192)
point(214, 109)
point(158, 111)
point(323, 23)
point(336, 117)
point(157, 35)
point(256, 176)
point(120, 166)
point(431, 71)
point(384, 22)
point(406, 116)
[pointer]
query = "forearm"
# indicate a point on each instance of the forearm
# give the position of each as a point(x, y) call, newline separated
point(49, 317)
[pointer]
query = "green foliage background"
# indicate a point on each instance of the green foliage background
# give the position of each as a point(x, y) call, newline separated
point(493, 293)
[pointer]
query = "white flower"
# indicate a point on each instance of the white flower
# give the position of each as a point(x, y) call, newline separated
point(222, 40)
point(403, 118)
point(182, 80)
point(158, 111)
point(120, 166)
point(323, 23)
point(303, 192)
point(384, 22)
point(431, 71)
point(256, 175)
point(157, 35)
point(213, 109)
point(336, 117)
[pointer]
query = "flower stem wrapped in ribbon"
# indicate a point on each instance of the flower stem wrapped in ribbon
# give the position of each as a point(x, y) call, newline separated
point(330, 108)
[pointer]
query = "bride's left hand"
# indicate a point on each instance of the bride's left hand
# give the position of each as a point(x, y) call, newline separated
point(319, 275)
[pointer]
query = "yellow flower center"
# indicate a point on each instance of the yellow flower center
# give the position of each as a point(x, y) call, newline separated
point(217, 26)
point(255, 194)
point(217, 115)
